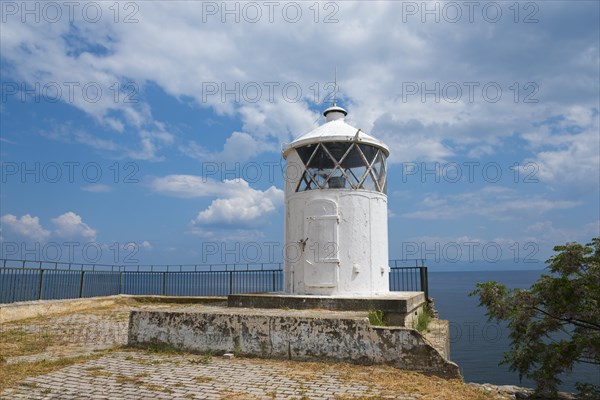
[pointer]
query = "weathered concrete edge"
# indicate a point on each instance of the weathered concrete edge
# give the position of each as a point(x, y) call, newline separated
point(12, 312)
point(295, 338)
point(438, 336)
point(274, 300)
point(397, 311)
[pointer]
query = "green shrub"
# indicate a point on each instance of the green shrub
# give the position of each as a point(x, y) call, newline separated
point(422, 321)
point(376, 318)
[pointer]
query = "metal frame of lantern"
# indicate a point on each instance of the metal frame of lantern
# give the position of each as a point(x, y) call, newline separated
point(378, 176)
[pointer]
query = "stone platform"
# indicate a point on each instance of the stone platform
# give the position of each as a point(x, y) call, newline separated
point(399, 308)
point(307, 335)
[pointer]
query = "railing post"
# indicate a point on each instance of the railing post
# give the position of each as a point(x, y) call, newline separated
point(164, 283)
point(81, 284)
point(120, 282)
point(41, 282)
point(230, 282)
point(273, 273)
point(424, 282)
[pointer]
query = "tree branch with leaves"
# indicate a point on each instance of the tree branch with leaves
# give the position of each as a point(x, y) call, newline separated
point(554, 324)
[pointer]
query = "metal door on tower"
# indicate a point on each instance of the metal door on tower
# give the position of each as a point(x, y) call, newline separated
point(321, 261)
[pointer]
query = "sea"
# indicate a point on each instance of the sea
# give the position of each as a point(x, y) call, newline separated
point(476, 345)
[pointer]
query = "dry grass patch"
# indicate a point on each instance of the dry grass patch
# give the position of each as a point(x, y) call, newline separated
point(204, 359)
point(232, 395)
point(387, 380)
point(96, 372)
point(203, 379)
point(19, 342)
point(132, 380)
point(143, 361)
point(138, 380)
point(157, 388)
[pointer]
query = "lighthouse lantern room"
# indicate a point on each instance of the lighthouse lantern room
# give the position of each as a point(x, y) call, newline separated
point(336, 211)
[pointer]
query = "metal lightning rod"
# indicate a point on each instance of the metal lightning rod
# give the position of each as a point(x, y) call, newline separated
point(334, 86)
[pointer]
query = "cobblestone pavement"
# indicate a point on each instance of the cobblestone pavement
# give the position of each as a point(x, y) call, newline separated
point(139, 375)
point(128, 374)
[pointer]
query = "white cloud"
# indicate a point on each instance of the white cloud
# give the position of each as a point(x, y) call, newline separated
point(95, 142)
point(151, 142)
point(267, 125)
point(236, 204)
point(188, 186)
point(66, 133)
point(70, 225)
point(279, 119)
point(146, 245)
point(26, 226)
point(245, 206)
point(371, 85)
point(592, 228)
point(547, 232)
point(239, 147)
point(563, 156)
point(498, 203)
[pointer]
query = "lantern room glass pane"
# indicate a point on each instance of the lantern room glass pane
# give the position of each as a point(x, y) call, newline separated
point(305, 152)
point(378, 170)
point(337, 149)
point(320, 160)
point(355, 175)
point(383, 174)
point(369, 151)
point(369, 183)
point(342, 165)
point(353, 159)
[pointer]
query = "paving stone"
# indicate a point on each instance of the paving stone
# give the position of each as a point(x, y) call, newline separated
point(176, 377)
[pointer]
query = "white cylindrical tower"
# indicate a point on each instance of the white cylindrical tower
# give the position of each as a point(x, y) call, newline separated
point(336, 211)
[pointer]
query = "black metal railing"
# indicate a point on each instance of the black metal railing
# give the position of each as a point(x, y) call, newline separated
point(25, 280)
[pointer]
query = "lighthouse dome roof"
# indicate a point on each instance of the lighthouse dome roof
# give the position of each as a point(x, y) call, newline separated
point(335, 129)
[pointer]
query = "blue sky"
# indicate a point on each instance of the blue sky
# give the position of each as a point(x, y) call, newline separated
point(150, 132)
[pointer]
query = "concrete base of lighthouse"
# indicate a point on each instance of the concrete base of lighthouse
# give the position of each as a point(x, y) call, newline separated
point(398, 308)
point(304, 328)
point(302, 335)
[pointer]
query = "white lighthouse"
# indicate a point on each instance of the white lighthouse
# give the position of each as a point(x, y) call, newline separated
point(336, 211)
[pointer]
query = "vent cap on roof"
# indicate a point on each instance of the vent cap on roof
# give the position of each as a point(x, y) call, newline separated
point(334, 112)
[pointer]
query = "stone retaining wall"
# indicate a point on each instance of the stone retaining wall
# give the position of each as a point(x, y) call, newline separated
point(290, 334)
